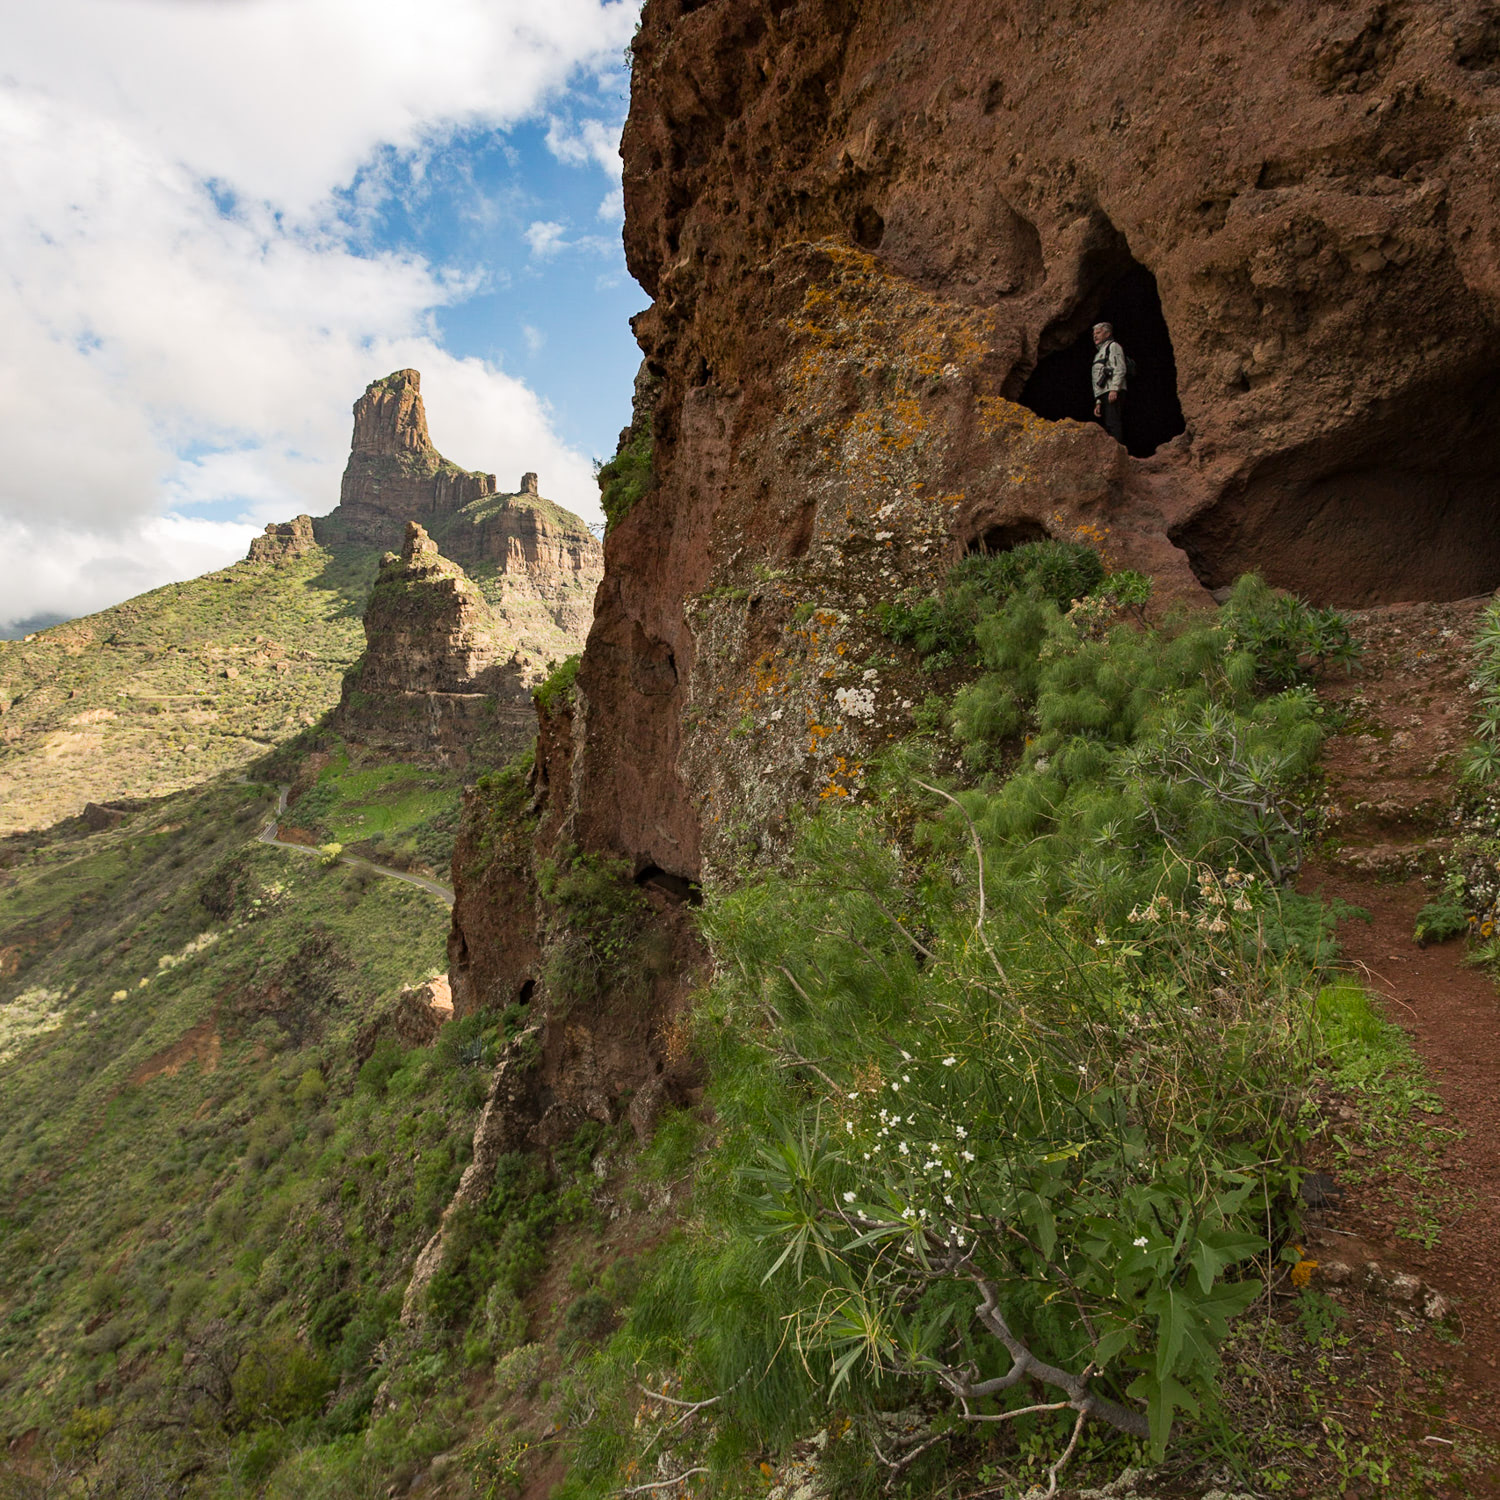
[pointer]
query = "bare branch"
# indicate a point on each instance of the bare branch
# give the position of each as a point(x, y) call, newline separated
point(692, 1406)
point(661, 1484)
point(1061, 1464)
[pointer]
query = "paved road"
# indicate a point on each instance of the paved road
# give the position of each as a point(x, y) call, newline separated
point(271, 834)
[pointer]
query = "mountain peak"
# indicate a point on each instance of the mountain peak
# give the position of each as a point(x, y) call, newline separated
point(390, 420)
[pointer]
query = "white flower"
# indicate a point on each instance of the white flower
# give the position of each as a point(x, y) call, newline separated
point(905, 1055)
point(958, 1239)
point(948, 1199)
point(849, 1126)
point(895, 1086)
point(902, 1149)
point(949, 1061)
point(1081, 1068)
point(967, 1155)
point(946, 1172)
point(848, 1197)
point(854, 1096)
point(1141, 1243)
point(906, 1078)
point(961, 1133)
point(867, 1154)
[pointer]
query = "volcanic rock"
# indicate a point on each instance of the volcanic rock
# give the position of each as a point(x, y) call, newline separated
point(441, 668)
point(876, 236)
point(282, 541)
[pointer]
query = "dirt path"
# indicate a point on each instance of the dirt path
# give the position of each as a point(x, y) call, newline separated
point(1391, 779)
point(271, 834)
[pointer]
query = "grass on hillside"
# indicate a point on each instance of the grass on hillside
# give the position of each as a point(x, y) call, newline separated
point(192, 1155)
point(174, 686)
point(392, 813)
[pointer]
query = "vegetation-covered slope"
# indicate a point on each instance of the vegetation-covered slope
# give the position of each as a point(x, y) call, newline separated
point(194, 1142)
point(167, 689)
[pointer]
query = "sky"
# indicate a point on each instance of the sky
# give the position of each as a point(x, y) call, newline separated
point(221, 219)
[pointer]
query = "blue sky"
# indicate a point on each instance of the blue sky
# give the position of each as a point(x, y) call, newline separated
point(219, 221)
point(553, 308)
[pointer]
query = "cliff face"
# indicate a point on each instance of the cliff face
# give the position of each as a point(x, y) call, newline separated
point(394, 474)
point(441, 670)
point(872, 230)
point(876, 235)
point(532, 555)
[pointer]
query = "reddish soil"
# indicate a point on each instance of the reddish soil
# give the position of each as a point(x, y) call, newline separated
point(1391, 775)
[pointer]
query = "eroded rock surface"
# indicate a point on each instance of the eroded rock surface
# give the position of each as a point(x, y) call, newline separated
point(441, 669)
point(282, 541)
point(874, 235)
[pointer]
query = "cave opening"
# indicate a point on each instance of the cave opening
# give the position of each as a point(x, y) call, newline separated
point(1398, 507)
point(676, 888)
point(1009, 535)
point(1060, 385)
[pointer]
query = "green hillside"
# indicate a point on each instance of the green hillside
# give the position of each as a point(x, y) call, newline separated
point(192, 1139)
point(168, 689)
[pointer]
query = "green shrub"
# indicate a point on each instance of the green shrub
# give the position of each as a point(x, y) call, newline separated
point(518, 1372)
point(599, 916)
point(1441, 920)
point(942, 627)
point(278, 1381)
point(626, 477)
point(559, 684)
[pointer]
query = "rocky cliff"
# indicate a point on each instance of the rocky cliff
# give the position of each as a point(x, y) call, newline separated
point(442, 671)
point(283, 540)
point(876, 234)
point(528, 550)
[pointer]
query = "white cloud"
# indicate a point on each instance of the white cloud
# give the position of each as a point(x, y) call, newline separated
point(592, 143)
point(186, 322)
point(535, 339)
point(546, 237)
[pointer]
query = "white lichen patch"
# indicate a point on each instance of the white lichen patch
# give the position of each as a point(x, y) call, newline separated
point(856, 702)
point(31, 1014)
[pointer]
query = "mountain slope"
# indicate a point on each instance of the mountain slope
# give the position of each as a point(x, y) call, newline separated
point(172, 687)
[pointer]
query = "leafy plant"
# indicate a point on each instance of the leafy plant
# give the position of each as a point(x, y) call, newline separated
point(1441, 920)
point(559, 684)
point(627, 476)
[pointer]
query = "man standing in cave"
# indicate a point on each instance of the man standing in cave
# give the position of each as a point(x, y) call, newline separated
point(1110, 370)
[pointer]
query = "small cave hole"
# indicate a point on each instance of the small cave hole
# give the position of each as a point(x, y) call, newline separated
point(675, 887)
point(527, 990)
point(1009, 535)
point(1060, 385)
point(869, 227)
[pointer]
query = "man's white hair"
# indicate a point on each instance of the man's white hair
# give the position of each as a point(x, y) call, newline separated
point(1106, 328)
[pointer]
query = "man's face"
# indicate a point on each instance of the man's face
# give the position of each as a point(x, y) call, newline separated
point(1100, 335)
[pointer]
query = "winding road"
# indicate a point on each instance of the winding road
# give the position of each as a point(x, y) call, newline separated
point(271, 834)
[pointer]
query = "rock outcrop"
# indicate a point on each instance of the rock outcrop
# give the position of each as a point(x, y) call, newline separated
point(875, 238)
point(283, 540)
point(394, 473)
point(441, 670)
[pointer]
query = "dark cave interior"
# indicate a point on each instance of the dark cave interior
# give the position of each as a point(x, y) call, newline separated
point(1059, 387)
point(1401, 506)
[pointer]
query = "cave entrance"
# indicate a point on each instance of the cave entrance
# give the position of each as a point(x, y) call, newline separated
point(1060, 386)
point(1398, 508)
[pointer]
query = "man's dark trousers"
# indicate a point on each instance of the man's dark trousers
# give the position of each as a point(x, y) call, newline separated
point(1114, 416)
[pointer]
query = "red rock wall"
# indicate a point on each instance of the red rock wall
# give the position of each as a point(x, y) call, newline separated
point(863, 223)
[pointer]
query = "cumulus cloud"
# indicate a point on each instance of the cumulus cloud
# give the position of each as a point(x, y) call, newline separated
point(188, 309)
point(546, 237)
point(595, 143)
